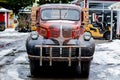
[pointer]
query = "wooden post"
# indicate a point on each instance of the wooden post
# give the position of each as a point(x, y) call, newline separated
point(85, 13)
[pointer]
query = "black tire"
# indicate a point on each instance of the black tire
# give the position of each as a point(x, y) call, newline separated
point(85, 67)
point(107, 36)
point(34, 67)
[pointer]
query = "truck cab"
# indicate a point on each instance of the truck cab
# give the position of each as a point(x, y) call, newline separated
point(60, 37)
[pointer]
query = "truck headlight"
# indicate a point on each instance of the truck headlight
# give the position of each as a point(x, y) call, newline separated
point(87, 36)
point(34, 35)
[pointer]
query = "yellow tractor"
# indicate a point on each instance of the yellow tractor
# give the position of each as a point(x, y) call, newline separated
point(100, 30)
point(97, 31)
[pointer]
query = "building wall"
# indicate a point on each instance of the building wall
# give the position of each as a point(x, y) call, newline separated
point(2, 19)
point(101, 9)
point(104, 13)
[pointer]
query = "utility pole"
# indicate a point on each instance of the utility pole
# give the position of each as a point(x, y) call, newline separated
point(111, 32)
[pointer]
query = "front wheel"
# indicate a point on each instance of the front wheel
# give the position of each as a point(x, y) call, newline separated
point(34, 67)
point(107, 36)
point(85, 67)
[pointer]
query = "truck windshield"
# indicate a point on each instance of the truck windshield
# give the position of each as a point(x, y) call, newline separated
point(60, 14)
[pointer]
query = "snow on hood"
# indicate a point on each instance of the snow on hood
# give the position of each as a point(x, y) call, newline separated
point(107, 53)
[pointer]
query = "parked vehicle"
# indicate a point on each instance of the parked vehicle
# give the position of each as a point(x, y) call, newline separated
point(60, 38)
point(2, 26)
point(101, 29)
point(97, 31)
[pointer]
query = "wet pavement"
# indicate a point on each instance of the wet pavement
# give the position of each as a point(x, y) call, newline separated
point(22, 68)
point(15, 66)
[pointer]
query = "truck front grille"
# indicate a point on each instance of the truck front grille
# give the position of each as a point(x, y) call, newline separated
point(56, 52)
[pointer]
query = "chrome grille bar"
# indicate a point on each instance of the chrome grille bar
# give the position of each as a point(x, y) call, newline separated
point(40, 56)
point(51, 57)
point(70, 56)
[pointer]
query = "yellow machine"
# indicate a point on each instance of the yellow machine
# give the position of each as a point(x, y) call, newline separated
point(98, 32)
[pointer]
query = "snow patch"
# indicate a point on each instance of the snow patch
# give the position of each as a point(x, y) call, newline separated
point(107, 53)
point(111, 73)
point(21, 59)
point(114, 71)
point(111, 46)
point(102, 75)
point(9, 30)
point(13, 34)
point(5, 52)
point(13, 74)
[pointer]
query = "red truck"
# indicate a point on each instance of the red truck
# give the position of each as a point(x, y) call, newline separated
point(60, 38)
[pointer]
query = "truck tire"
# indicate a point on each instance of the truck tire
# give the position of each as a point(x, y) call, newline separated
point(34, 68)
point(85, 67)
point(107, 36)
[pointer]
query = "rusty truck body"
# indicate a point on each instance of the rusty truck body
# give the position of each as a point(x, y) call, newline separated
point(60, 37)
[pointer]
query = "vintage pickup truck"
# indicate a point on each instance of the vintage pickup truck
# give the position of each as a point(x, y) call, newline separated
point(60, 38)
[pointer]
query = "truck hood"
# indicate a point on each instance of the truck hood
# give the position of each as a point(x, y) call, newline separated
point(61, 30)
point(58, 23)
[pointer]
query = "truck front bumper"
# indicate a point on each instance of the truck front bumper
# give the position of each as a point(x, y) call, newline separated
point(51, 58)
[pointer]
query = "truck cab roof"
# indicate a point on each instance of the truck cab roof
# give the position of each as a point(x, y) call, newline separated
point(61, 6)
